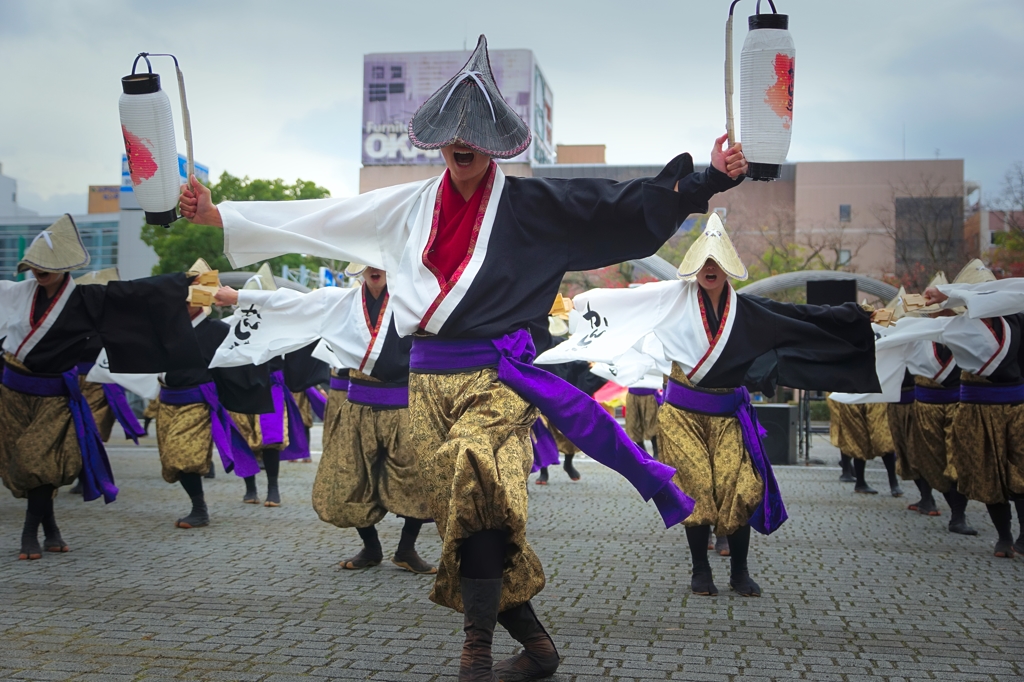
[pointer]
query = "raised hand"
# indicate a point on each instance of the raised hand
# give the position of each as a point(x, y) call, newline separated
point(225, 295)
point(196, 205)
point(933, 295)
point(730, 161)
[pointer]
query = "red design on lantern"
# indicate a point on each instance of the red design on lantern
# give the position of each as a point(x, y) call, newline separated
point(780, 95)
point(141, 164)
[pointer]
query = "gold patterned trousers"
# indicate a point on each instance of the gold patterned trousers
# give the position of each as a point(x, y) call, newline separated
point(900, 417)
point(38, 443)
point(184, 440)
point(641, 417)
point(564, 445)
point(933, 441)
point(101, 412)
point(250, 428)
point(472, 435)
point(988, 449)
point(862, 431)
point(368, 468)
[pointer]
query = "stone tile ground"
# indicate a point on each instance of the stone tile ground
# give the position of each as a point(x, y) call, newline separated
point(856, 588)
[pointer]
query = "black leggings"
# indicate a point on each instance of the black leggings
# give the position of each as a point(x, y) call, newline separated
point(40, 501)
point(483, 555)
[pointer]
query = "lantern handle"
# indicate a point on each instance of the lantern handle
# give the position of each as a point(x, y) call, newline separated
point(186, 120)
point(142, 55)
point(757, 8)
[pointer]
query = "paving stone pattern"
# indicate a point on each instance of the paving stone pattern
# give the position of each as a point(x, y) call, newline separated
point(855, 588)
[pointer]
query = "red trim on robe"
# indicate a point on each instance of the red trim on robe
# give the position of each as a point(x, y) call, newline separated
point(373, 327)
point(35, 324)
point(707, 328)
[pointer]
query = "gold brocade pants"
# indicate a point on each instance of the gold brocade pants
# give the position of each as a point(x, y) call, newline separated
point(988, 449)
point(933, 441)
point(249, 427)
point(901, 424)
point(641, 417)
point(101, 412)
point(472, 435)
point(862, 431)
point(335, 400)
point(368, 468)
point(305, 408)
point(184, 440)
point(564, 445)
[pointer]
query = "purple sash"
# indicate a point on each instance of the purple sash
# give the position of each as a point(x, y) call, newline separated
point(118, 403)
point(991, 394)
point(97, 477)
point(573, 412)
point(545, 450)
point(658, 395)
point(372, 394)
point(317, 400)
point(907, 395)
point(771, 513)
point(339, 383)
point(235, 453)
point(272, 425)
point(937, 396)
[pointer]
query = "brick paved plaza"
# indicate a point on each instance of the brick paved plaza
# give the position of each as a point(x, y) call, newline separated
point(855, 588)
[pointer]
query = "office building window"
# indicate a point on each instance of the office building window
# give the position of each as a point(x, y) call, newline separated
point(844, 257)
point(378, 92)
point(396, 71)
point(844, 213)
point(377, 72)
point(396, 88)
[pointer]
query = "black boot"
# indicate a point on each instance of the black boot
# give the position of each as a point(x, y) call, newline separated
point(927, 504)
point(543, 478)
point(539, 658)
point(30, 548)
point(701, 582)
point(406, 555)
point(52, 541)
point(570, 469)
point(957, 517)
point(370, 555)
point(212, 473)
point(272, 465)
point(722, 545)
point(480, 602)
point(862, 486)
point(252, 496)
point(846, 464)
point(199, 516)
point(76, 489)
point(1002, 519)
point(739, 577)
point(889, 460)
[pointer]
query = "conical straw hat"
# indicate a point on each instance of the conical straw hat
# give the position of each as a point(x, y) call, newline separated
point(713, 243)
point(58, 248)
point(262, 280)
point(99, 277)
point(354, 269)
point(557, 326)
point(938, 279)
point(974, 272)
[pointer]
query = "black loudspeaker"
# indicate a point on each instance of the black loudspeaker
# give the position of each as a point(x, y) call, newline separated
point(832, 291)
point(780, 423)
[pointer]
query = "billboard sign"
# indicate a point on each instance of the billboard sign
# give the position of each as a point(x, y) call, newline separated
point(396, 85)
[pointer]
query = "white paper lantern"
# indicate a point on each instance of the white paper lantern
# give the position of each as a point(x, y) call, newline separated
point(148, 130)
point(766, 94)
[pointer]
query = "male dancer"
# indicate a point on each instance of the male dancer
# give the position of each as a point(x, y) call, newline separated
point(455, 248)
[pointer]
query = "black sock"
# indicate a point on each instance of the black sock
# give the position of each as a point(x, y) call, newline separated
point(889, 460)
point(568, 460)
point(697, 537)
point(192, 483)
point(1019, 503)
point(858, 469)
point(483, 555)
point(410, 531)
point(957, 503)
point(272, 465)
point(925, 490)
point(250, 485)
point(40, 501)
point(845, 462)
point(370, 540)
point(739, 547)
point(1002, 519)
point(654, 446)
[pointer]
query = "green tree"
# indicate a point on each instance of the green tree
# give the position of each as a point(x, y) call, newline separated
point(179, 246)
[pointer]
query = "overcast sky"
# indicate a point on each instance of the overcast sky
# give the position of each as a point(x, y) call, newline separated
point(275, 88)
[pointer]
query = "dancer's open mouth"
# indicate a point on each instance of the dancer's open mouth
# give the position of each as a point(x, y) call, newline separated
point(464, 159)
point(710, 277)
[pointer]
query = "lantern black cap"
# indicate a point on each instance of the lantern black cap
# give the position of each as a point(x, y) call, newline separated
point(141, 83)
point(768, 21)
point(470, 110)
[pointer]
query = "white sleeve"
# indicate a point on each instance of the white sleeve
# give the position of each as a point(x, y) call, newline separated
point(359, 229)
point(986, 299)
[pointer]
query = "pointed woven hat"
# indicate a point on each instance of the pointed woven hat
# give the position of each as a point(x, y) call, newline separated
point(58, 248)
point(974, 272)
point(713, 243)
point(99, 277)
point(470, 110)
point(262, 280)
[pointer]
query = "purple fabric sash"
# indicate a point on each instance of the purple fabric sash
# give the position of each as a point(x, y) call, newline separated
point(657, 393)
point(991, 394)
point(85, 367)
point(771, 513)
point(339, 383)
point(545, 450)
point(378, 395)
point(937, 396)
point(118, 403)
point(907, 395)
point(235, 453)
point(317, 400)
point(97, 477)
point(573, 412)
point(272, 425)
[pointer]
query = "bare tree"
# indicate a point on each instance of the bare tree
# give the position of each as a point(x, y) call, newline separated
point(1012, 200)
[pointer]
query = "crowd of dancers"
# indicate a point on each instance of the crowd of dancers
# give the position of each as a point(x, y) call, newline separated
point(440, 401)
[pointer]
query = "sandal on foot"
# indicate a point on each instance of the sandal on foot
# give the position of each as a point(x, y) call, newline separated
point(864, 489)
point(896, 491)
point(273, 497)
point(926, 507)
point(55, 543)
point(365, 559)
point(744, 585)
point(411, 561)
point(961, 527)
point(543, 478)
point(30, 550)
point(702, 583)
point(1004, 549)
point(251, 498)
point(722, 545)
point(574, 475)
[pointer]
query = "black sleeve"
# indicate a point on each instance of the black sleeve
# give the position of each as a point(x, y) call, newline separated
point(144, 324)
point(302, 370)
point(605, 222)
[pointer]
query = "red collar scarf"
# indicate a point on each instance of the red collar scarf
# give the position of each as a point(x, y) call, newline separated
point(455, 223)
